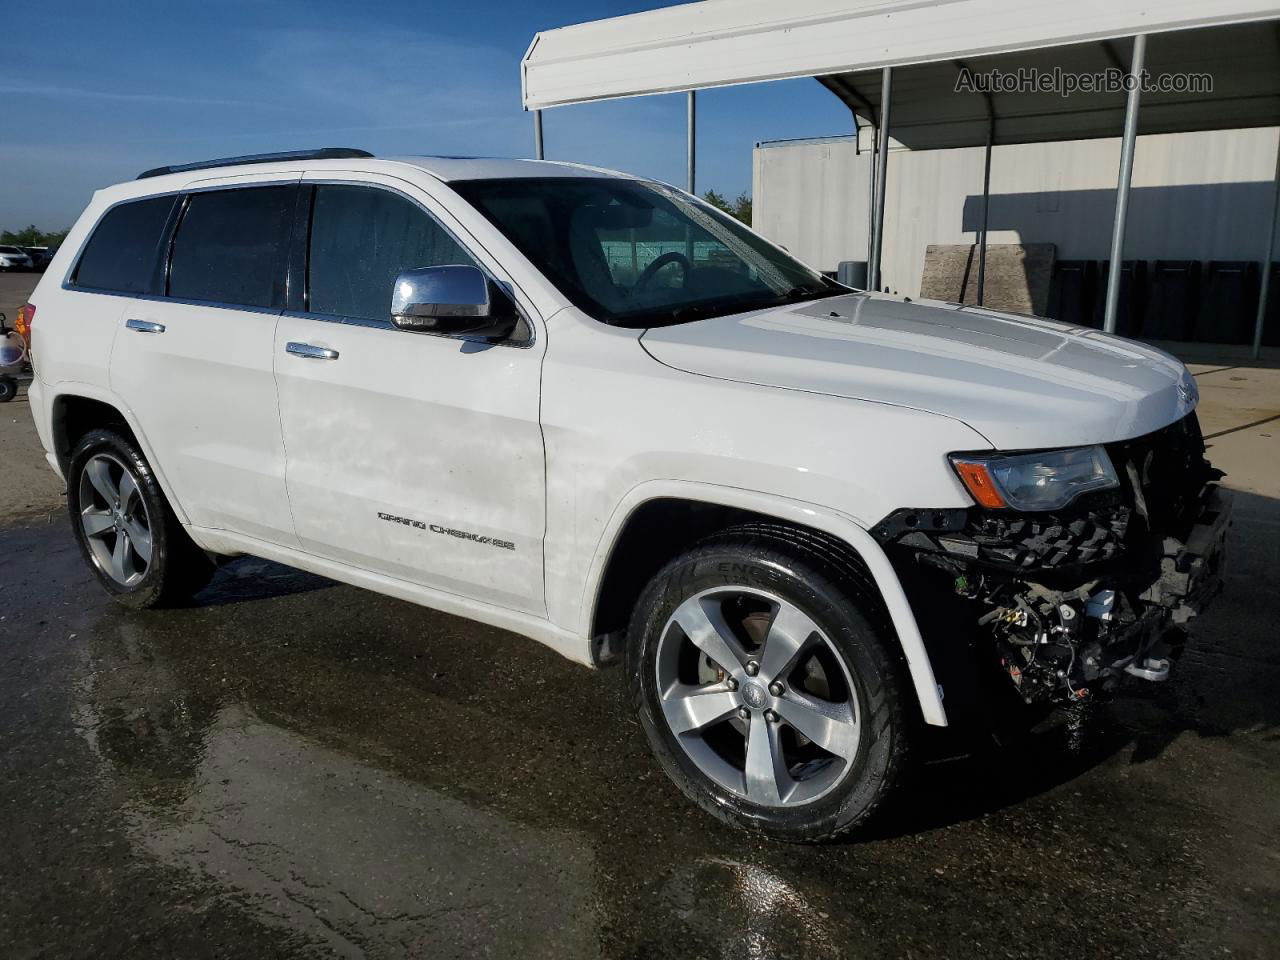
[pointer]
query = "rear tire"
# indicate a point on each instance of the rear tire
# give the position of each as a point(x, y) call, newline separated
point(8, 389)
point(832, 672)
point(128, 534)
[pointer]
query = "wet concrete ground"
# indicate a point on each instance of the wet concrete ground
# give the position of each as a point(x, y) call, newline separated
point(292, 767)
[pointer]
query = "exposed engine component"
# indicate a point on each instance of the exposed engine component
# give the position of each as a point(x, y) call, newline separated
point(1058, 645)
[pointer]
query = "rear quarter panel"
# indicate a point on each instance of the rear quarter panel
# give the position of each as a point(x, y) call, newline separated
point(73, 332)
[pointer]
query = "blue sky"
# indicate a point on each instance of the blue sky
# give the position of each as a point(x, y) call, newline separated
point(93, 93)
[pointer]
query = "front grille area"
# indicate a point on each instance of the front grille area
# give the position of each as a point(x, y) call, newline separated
point(1080, 534)
point(1163, 475)
point(1092, 530)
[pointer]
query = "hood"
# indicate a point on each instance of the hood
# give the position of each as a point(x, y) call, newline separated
point(1022, 382)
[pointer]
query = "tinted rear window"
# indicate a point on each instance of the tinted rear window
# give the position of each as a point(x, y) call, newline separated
point(122, 253)
point(231, 247)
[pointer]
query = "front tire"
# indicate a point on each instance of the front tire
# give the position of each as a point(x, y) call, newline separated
point(128, 534)
point(763, 677)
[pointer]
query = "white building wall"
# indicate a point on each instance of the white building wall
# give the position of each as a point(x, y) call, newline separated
point(811, 197)
point(1203, 196)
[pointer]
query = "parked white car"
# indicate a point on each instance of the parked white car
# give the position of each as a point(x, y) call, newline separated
point(14, 258)
point(811, 522)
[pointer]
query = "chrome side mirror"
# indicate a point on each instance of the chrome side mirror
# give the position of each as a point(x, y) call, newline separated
point(455, 300)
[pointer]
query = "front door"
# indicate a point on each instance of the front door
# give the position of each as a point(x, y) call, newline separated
point(415, 456)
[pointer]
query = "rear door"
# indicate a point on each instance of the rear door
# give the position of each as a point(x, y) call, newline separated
point(195, 364)
point(120, 260)
point(416, 456)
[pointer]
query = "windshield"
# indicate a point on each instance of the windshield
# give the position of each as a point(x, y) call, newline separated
point(640, 254)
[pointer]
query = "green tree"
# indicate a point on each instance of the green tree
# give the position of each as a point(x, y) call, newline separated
point(717, 200)
point(740, 208)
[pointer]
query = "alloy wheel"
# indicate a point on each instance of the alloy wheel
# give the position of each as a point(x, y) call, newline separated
point(114, 519)
point(757, 696)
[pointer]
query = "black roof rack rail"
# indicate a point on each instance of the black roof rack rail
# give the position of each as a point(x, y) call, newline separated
point(324, 153)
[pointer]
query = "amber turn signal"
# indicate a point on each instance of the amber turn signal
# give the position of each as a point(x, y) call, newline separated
point(979, 482)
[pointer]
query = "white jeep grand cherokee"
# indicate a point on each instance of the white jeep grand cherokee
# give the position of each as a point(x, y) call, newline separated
point(589, 408)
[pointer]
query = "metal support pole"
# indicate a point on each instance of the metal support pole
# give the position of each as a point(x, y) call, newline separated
point(871, 200)
point(693, 137)
point(537, 135)
point(882, 167)
point(1122, 186)
point(1265, 289)
point(986, 210)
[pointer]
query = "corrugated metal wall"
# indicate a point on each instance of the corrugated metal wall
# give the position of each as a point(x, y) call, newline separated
point(1202, 196)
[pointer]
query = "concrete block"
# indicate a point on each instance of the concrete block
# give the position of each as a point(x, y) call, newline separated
point(1018, 275)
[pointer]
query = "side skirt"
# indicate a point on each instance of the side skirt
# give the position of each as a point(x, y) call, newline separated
point(563, 642)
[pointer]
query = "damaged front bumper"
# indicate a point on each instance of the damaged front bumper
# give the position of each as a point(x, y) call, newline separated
point(1191, 572)
point(1068, 604)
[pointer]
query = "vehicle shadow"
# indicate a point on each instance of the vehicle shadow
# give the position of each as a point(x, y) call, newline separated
point(248, 579)
point(989, 777)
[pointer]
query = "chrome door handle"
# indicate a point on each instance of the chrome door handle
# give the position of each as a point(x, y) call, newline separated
point(310, 351)
point(145, 326)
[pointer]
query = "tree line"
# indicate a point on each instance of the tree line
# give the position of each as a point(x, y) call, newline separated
point(32, 236)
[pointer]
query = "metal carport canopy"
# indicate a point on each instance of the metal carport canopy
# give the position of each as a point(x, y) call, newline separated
point(723, 42)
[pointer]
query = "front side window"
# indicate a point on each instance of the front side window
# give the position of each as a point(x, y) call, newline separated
point(122, 254)
point(362, 238)
point(231, 247)
point(640, 254)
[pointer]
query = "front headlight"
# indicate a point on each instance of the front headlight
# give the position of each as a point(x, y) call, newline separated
point(1035, 481)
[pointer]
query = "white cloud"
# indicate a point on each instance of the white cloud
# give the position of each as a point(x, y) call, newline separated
point(73, 93)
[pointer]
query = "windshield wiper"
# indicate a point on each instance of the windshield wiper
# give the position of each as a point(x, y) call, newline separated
point(702, 311)
point(800, 294)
